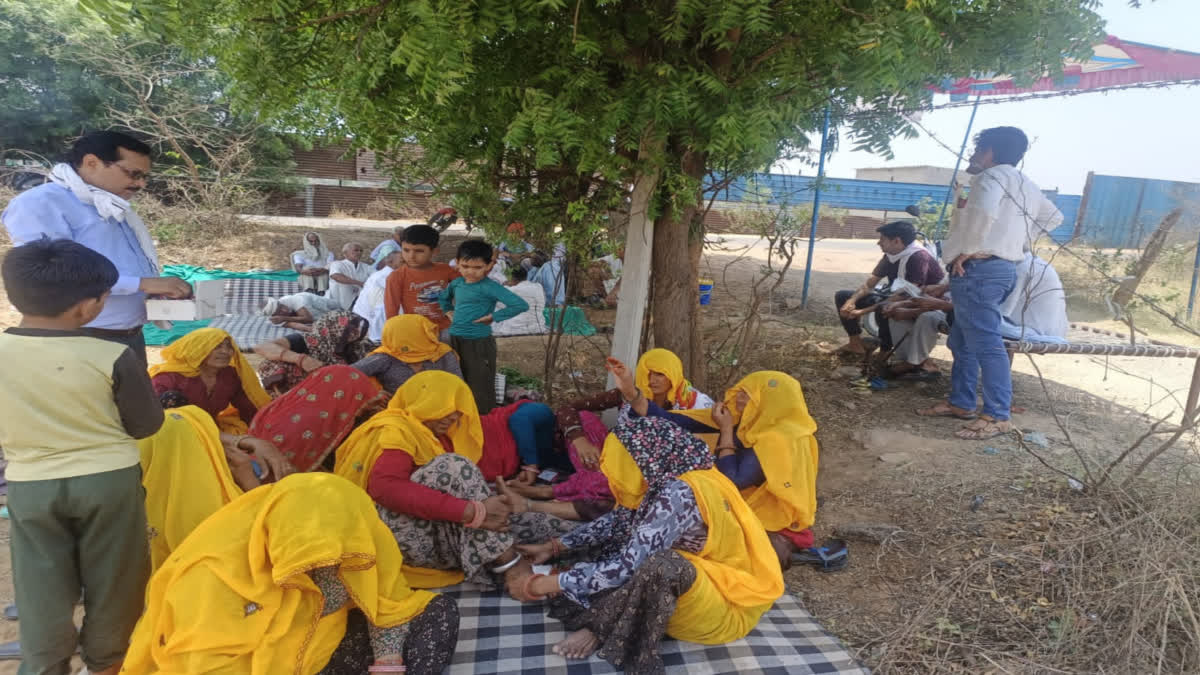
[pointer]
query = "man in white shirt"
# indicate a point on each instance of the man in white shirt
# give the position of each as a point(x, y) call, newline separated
point(1037, 310)
point(370, 304)
point(379, 255)
point(347, 276)
point(989, 234)
point(533, 320)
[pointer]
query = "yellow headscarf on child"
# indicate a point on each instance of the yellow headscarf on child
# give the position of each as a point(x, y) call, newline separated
point(186, 477)
point(236, 597)
point(429, 395)
point(681, 395)
point(738, 574)
point(411, 338)
point(187, 354)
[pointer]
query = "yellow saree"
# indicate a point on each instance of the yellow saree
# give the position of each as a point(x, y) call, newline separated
point(186, 477)
point(235, 597)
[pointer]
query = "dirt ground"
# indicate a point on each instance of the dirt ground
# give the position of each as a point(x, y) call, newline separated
point(916, 505)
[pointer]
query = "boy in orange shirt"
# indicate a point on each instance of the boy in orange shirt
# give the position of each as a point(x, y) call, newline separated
point(415, 287)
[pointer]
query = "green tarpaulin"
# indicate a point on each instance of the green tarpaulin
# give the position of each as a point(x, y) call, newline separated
point(192, 274)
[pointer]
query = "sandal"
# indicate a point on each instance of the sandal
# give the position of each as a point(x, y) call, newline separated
point(989, 429)
point(831, 556)
point(944, 409)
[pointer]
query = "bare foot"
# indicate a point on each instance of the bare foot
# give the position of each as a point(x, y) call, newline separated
point(532, 491)
point(578, 645)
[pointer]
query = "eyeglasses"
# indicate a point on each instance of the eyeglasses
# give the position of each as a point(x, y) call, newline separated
point(134, 174)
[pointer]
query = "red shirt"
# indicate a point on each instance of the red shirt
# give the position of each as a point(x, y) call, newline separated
point(391, 486)
point(227, 390)
point(416, 291)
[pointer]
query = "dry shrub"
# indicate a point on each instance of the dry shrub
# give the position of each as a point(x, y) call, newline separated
point(1110, 584)
point(177, 224)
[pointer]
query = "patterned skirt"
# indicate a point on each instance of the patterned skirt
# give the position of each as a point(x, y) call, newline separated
point(425, 643)
point(630, 621)
point(443, 545)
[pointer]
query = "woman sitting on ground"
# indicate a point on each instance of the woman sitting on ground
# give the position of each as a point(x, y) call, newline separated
point(338, 338)
point(207, 367)
point(585, 494)
point(311, 420)
point(410, 346)
point(682, 555)
point(417, 461)
point(765, 446)
point(290, 561)
point(190, 469)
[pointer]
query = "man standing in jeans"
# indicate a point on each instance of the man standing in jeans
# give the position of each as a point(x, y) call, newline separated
point(991, 229)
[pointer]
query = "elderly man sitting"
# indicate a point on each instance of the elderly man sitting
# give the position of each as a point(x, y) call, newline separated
point(1036, 311)
point(347, 276)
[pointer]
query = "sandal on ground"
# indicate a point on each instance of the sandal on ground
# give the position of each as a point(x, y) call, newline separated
point(920, 375)
point(831, 556)
point(983, 429)
point(944, 409)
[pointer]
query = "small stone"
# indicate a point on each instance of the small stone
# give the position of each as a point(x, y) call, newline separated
point(793, 303)
point(849, 405)
point(848, 372)
point(895, 457)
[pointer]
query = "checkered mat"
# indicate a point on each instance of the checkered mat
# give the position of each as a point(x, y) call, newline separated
point(500, 635)
point(248, 330)
point(244, 296)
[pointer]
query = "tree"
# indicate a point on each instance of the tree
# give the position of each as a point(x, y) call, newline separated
point(46, 99)
point(652, 94)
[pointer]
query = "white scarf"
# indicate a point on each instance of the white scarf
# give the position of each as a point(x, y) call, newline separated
point(902, 258)
point(110, 207)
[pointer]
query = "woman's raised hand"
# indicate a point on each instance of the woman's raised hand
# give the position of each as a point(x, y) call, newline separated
point(722, 416)
point(623, 376)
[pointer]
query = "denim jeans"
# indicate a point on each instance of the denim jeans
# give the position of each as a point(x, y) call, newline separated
point(533, 426)
point(975, 336)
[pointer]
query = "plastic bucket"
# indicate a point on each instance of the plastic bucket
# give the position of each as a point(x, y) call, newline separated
point(706, 288)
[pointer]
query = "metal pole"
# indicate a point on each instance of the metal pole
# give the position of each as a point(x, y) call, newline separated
point(957, 162)
point(1195, 279)
point(816, 214)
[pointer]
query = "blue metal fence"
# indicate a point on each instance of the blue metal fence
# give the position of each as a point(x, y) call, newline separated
point(1123, 212)
point(865, 195)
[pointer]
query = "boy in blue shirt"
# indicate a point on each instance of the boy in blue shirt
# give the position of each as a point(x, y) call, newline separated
point(470, 301)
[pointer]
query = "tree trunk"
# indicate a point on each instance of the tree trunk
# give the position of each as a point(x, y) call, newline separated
point(676, 258)
point(1154, 247)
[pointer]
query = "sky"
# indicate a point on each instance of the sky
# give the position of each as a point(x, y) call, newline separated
point(1151, 133)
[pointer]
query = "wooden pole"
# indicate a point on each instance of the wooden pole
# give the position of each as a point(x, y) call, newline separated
point(1153, 248)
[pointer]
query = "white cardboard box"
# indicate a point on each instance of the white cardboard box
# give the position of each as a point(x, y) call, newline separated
point(208, 301)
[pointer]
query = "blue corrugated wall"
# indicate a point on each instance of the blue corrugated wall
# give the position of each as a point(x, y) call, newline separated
point(1122, 212)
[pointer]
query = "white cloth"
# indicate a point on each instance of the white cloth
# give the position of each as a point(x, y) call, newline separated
point(345, 294)
point(311, 257)
point(615, 267)
point(316, 305)
point(530, 322)
point(922, 336)
point(1002, 213)
point(499, 272)
point(108, 205)
point(1037, 307)
point(370, 305)
point(902, 258)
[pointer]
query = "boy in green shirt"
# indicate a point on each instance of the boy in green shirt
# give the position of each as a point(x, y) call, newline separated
point(470, 301)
